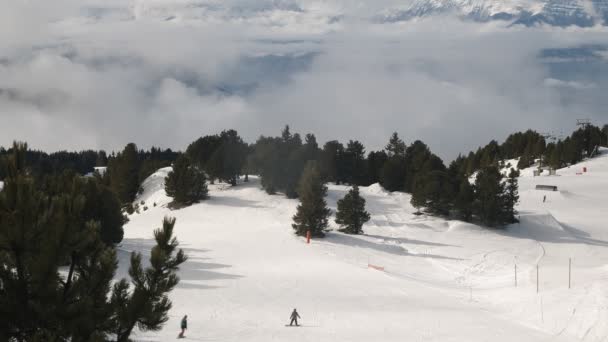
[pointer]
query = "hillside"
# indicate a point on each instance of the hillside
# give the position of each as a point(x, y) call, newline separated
point(442, 280)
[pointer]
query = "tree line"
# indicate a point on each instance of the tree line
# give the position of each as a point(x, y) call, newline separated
point(529, 147)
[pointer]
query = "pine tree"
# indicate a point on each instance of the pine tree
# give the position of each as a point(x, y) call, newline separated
point(418, 199)
point(354, 163)
point(123, 171)
point(464, 200)
point(375, 162)
point(312, 212)
point(511, 197)
point(330, 158)
point(351, 214)
point(392, 177)
point(147, 305)
point(186, 184)
point(433, 191)
point(227, 161)
point(489, 190)
point(395, 146)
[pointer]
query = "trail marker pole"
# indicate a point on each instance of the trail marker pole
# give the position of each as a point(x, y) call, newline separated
point(308, 236)
point(537, 278)
point(569, 273)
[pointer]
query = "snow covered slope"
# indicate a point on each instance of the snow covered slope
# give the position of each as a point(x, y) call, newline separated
point(442, 280)
point(582, 13)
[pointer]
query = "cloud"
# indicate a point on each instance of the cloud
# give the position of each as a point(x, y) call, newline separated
point(99, 74)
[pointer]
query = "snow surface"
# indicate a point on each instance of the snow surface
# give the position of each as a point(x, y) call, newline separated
point(442, 280)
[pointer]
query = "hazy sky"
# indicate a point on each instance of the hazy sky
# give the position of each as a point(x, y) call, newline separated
point(102, 73)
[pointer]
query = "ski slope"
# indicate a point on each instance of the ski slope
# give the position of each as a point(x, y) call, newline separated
point(442, 280)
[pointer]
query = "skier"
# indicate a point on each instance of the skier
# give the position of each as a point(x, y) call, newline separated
point(184, 326)
point(294, 318)
point(544, 198)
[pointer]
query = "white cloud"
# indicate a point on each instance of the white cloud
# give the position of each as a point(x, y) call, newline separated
point(98, 74)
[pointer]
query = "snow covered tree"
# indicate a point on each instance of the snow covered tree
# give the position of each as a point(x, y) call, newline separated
point(312, 212)
point(351, 214)
point(186, 184)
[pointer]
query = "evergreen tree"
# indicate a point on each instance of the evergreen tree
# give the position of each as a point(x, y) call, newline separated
point(526, 159)
point(489, 190)
point(395, 146)
point(354, 163)
point(392, 177)
point(227, 161)
point(102, 205)
point(186, 184)
point(463, 202)
point(511, 198)
point(330, 158)
point(312, 212)
point(433, 191)
point(375, 163)
point(123, 171)
point(605, 136)
point(351, 214)
point(311, 148)
point(201, 150)
point(147, 304)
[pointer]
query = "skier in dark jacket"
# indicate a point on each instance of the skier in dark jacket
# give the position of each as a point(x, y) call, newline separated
point(294, 317)
point(184, 326)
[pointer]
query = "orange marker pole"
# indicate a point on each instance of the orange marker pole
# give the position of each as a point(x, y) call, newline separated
point(308, 236)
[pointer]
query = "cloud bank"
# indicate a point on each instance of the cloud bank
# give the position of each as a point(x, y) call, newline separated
point(99, 74)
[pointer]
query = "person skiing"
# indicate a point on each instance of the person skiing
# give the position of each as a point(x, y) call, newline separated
point(294, 318)
point(544, 198)
point(184, 326)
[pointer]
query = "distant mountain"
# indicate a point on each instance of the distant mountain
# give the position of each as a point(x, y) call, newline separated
point(583, 13)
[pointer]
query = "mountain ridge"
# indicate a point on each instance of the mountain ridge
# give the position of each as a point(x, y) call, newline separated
point(562, 13)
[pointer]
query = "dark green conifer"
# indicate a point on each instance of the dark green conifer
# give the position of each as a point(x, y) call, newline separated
point(123, 171)
point(489, 190)
point(186, 184)
point(312, 212)
point(351, 214)
point(511, 197)
point(147, 304)
point(463, 202)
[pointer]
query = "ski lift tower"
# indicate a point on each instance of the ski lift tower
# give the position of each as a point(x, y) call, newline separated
point(583, 123)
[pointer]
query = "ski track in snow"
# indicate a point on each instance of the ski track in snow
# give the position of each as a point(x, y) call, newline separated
point(442, 280)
